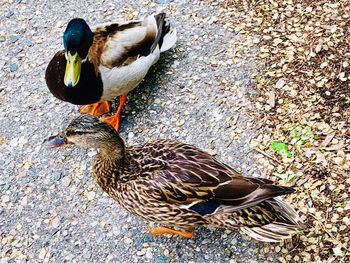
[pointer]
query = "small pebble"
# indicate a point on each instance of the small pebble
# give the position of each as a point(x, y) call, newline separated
point(87, 255)
point(53, 231)
point(91, 195)
point(66, 181)
point(22, 141)
point(15, 197)
point(7, 187)
point(91, 153)
point(14, 142)
point(166, 253)
point(55, 222)
point(29, 43)
point(42, 253)
point(131, 135)
point(13, 39)
point(148, 238)
point(127, 240)
point(9, 14)
point(6, 260)
point(162, 259)
point(179, 123)
point(13, 67)
point(149, 253)
point(141, 252)
point(5, 198)
point(56, 176)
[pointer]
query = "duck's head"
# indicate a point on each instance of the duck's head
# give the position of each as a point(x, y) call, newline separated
point(88, 131)
point(77, 40)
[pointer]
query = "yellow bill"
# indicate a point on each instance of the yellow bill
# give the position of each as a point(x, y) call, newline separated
point(73, 67)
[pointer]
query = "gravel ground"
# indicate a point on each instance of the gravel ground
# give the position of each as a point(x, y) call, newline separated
point(51, 209)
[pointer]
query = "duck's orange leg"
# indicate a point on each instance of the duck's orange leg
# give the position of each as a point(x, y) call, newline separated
point(114, 120)
point(165, 230)
point(96, 109)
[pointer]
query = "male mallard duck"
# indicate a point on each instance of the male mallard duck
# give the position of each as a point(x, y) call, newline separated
point(97, 66)
point(180, 186)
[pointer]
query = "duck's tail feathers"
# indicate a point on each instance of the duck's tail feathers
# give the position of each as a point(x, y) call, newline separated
point(169, 40)
point(166, 37)
point(287, 224)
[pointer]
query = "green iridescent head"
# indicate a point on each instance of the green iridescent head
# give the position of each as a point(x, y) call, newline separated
point(77, 40)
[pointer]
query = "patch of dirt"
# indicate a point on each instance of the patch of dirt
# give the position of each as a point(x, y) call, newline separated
point(303, 84)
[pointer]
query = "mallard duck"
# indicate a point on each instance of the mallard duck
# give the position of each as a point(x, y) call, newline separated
point(180, 186)
point(111, 61)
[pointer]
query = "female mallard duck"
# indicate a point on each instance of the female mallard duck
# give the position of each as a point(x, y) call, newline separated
point(180, 186)
point(97, 66)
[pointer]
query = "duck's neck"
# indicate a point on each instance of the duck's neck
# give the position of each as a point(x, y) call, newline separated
point(93, 59)
point(109, 162)
point(112, 157)
point(112, 153)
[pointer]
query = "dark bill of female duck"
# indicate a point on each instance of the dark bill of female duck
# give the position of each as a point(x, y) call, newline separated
point(57, 140)
point(77, 40)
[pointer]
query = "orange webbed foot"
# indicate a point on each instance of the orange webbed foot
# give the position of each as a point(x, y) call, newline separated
point(115, 119)
point(165, 230)
point(96, 109)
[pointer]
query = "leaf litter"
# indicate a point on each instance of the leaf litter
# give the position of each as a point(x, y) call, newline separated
point(303, 99)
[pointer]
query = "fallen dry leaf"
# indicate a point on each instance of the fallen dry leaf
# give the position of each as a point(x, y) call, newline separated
point(303, 80)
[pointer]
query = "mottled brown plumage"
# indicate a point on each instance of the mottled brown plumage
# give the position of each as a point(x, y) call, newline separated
point(180, 186)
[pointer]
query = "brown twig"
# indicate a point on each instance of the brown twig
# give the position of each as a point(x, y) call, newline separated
point(267, 155)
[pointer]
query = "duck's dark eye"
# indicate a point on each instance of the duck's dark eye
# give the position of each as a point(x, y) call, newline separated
point(78, 132)
point(71, 133)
